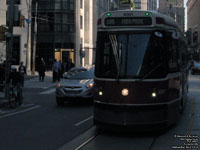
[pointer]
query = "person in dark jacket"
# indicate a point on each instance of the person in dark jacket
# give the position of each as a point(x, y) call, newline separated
point(15, 77)
point(41, 70)
point(22, 71)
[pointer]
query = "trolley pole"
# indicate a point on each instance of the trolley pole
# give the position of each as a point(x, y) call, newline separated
point(9, 46)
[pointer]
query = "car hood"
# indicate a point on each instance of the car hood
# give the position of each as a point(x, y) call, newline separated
point(76, 83)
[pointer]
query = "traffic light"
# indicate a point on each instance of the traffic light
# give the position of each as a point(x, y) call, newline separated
point(21, 21)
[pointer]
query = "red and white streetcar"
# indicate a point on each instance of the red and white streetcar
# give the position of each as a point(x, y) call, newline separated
point(141, 75)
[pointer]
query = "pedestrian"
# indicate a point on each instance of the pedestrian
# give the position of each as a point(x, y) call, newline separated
point(22, 71)
point(41, 70)
point(59, 70)
point(55, 70)
point(64, 67)
point(70, 64)
point(2, 72)
point(15, 77)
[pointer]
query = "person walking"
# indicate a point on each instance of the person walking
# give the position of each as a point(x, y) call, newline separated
point(41, 70)
point(59, 70)
point(22, 71)
point(55, 70)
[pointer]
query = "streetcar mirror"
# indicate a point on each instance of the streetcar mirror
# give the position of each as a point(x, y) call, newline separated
point(158, 34)
point(175, 35)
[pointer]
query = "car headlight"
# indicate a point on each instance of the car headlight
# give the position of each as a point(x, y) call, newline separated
point(59, 85)
point(90, 85)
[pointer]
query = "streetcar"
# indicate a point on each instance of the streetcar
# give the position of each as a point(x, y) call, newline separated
point(141, 73)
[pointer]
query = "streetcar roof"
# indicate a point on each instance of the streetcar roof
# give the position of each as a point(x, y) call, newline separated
point(158, 20)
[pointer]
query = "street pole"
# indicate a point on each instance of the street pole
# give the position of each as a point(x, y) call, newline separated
point(35, 40)
point(28, 48)
point(9, 46)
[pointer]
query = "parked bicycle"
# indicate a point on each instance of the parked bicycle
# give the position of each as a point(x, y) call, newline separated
point(16, 95)
point(15, 88)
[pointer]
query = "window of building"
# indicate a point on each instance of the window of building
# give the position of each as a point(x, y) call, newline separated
point(65, 18)
point(17, 2)
point(71, 4)
point(81, 22)
point(58, 28)
point(57, 4)
point(58, 18)
point(16, 22)
point(66, 4)
point(71, 28)
point(65, 28)
point(81, 3)
point(16, 50)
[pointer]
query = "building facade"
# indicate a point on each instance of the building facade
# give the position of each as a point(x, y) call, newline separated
point(64, 31)
point(85, 32)
point(193, 27)
point(53, 31)
point(175, 9)
point(143, 4)
point(21, 38)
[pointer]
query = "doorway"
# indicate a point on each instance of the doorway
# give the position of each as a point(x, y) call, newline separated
point(64, 54)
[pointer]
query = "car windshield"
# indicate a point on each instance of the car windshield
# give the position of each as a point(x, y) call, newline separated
point(197, 64)
point(80, 74)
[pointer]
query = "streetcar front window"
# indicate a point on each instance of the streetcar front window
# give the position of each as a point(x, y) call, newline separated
point(130, 55)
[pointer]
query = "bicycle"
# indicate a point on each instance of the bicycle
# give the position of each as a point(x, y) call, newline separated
point(16, 95)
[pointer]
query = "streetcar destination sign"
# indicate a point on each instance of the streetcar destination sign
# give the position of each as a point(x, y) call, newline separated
point(128, 21)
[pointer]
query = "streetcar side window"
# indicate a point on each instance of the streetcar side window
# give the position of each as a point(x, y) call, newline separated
point(183, 52)
point(173, 54)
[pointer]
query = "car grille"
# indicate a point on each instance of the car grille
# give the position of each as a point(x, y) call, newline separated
point(72, 87)
point(69, 91)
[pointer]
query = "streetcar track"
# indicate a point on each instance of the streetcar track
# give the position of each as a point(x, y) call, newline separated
point(97, 133)
point(153, 142)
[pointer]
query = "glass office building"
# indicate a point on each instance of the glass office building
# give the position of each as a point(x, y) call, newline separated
point(54, 30)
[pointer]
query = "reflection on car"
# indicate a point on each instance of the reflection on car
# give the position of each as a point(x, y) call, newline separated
point(195, 68)
point(77, 85)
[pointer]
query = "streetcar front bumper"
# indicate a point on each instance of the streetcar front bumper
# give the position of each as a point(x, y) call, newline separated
point(137, 117)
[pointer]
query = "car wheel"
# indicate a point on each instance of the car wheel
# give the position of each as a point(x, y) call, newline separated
point(59, 101)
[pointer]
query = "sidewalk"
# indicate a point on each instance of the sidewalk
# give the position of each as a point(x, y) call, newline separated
point(30, 75)
point(47, 73)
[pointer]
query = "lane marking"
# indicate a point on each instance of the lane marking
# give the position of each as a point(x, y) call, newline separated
point(19, 112)
point(86, 142)
point(83, 121)
point(49, 91)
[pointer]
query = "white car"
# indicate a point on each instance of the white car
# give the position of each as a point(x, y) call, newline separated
point(77, 85)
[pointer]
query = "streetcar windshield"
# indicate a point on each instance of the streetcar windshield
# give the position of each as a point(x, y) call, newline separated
point(130, 55)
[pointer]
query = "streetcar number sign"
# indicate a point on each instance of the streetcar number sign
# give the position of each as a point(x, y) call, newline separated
point(128, 21)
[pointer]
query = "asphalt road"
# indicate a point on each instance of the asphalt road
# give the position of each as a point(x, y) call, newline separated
point(41, 125)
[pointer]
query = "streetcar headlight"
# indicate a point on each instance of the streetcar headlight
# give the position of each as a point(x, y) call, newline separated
point(125, 92)
point(100, 93)
point(154, 94)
